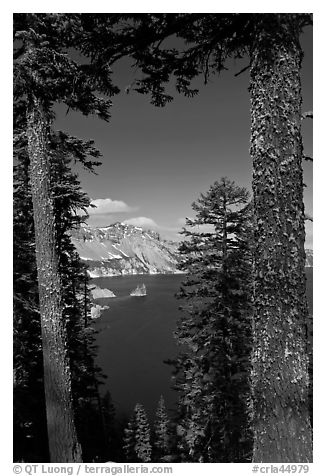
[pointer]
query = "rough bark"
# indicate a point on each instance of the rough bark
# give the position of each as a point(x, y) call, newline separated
point(282, 431)
point(63, 444)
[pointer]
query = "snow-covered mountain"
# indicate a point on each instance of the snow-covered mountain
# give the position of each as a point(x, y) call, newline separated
point(122, 249)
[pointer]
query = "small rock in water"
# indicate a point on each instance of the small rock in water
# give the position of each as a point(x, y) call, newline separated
point(102, 293)
point(96, 311)
point(139, 291)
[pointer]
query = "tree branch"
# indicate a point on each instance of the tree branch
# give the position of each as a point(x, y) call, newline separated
point(242, 70)
point(308, 114)
point(308, 158)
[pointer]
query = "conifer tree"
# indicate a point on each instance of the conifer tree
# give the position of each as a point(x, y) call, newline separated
point(271, 42)
point(29, 426)
point(161, 435)
point(215, 329)
point(69, 200)
point(129, 440)
point(30, 420)
point(137, 444)
point(44, 74)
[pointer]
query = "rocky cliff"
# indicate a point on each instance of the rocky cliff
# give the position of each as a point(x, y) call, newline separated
point(121, 249)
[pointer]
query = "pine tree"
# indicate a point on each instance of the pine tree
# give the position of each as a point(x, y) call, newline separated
point(282, 430)
point(30, 421)
point(137, 444)
point(29, 428)
point(161, 436)
point(44, 74)
point(215, 330)
point(69, 200)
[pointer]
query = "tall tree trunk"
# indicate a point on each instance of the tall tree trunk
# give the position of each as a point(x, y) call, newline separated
point(282, 431)
point(63, 444)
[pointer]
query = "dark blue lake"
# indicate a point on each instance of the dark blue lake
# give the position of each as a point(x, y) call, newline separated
point(136, 336)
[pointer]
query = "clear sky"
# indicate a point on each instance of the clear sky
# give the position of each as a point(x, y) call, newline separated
point(156, 161)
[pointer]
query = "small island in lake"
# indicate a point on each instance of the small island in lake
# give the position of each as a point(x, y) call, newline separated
point(139, 291)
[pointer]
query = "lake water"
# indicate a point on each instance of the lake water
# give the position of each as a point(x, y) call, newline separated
point(136, 336)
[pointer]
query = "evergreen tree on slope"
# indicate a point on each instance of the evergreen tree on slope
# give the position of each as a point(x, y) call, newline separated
point(161, 435)
point(137, 444)
point(215, 330)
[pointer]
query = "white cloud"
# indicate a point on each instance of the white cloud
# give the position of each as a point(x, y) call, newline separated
point(106, 205)
point(142, 222)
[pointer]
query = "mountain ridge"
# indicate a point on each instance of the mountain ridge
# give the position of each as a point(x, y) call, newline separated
point(122, 249)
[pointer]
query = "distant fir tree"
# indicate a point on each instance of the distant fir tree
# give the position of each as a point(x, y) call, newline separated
point(212, 372)
point(112, 434)
point(161, 433)
point(137, 439)
point(30, 436)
